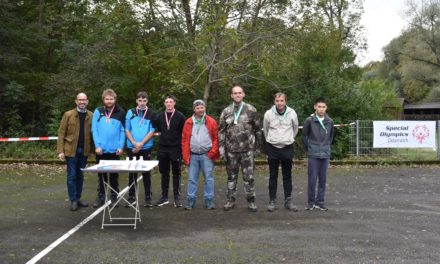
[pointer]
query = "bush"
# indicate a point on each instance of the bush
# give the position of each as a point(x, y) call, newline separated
point(28, 150)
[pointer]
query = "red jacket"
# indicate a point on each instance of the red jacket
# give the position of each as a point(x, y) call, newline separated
point(211, 125)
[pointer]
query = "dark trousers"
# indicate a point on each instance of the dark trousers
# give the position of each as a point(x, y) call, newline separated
point(317, 170)
point(166, 159)
point(104, 176)
point(146, 154)
point(286, 168)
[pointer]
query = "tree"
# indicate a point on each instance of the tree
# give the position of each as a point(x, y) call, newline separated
point(413, 58)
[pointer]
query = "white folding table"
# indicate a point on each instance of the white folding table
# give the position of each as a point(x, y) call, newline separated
point(118, 166)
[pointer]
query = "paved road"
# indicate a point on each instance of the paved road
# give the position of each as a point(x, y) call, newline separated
point(377, 215)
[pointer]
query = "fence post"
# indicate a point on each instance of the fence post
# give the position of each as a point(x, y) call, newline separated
point(438, 139)
point(357, 138)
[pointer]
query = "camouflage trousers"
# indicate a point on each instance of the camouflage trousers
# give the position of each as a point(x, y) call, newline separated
point(233, 162)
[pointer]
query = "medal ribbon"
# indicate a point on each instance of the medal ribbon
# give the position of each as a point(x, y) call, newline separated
point(322, 124)
point(237, 114)
point(138, 111)
point(278, 115)
point(169, 121)
point(107, 116)
point(198, 122)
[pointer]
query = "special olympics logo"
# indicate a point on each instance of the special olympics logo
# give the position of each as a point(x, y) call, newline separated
point(420, 133)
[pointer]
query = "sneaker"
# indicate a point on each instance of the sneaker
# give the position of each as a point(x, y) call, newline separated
point(252, 207)
point(320, 207)
point(190, 203)
point(148, 202)
point(272, 206)
point(288, 204)
point(73, 206)
point(209, 204)
point(98, 202)
point(177, 202)
point(114, 203)
point(229, 205)
point(131, 202)
point(162, 201)
point(82, 204)
point(309, 207)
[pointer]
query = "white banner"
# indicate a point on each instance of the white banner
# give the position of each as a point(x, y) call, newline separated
point(404, 134)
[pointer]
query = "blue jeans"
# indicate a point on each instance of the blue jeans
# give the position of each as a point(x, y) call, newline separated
point(75, 176)
point(206, 165)
point(317, 170)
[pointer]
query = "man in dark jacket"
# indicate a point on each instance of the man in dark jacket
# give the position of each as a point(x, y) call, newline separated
point(74, 145)
point(317, 136)
point(170, 125)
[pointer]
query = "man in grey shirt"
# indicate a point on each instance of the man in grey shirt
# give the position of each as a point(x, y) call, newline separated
point(280, 127)
point(199, 150)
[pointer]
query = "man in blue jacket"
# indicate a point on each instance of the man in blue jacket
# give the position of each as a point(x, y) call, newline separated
point(109, 138)
point(317, 136)
point(139, 130)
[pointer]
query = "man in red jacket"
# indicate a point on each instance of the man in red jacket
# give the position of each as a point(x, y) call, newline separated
point(199, 150)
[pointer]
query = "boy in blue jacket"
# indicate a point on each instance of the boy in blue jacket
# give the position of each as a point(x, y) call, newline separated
point(109, 137)
point(317, 136)
point(139, 130)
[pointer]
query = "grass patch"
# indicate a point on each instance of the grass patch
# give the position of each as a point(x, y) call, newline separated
point(35, 150)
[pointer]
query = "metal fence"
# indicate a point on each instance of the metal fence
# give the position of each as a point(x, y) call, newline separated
point(361, 146)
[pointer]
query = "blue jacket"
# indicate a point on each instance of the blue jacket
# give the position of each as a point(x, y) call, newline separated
point(109, 136)
point(316, 139)
point(137, 129)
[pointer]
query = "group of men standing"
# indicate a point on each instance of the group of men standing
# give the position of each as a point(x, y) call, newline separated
point(197, 141)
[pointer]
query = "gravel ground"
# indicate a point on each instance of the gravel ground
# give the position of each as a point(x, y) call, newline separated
point(376, 215)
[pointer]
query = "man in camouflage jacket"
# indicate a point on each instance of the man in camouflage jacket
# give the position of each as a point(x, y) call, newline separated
point(239, 135)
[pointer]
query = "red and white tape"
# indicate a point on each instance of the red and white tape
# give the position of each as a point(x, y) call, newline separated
point(338, 125)
point(27, 139)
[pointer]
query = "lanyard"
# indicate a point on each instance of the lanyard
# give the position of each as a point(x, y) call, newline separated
point(278, 115)
point(199, 122)
point(138, 111)
point(169, 121)
point(107, 116)
point(322, 124)
point(237, 114)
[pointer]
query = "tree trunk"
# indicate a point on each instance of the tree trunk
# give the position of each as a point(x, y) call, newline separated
point(40, 14)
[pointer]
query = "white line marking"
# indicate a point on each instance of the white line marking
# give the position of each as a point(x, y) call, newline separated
point(73, 230)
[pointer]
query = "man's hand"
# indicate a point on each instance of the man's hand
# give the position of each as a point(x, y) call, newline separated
point(118, 152)
point(98, 151)
point(138, 145)
point(61, 156)
point(134, 150)
point(222, 156)
point(256, 152)
point(222, 153)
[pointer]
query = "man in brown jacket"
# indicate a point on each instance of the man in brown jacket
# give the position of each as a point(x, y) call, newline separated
point(74, 145)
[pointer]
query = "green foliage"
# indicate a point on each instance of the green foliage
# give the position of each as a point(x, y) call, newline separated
point(28, 150)
point(433, 96)
point(412, 60)
point(12, 96)
point(54, 49)
point(375, 98)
